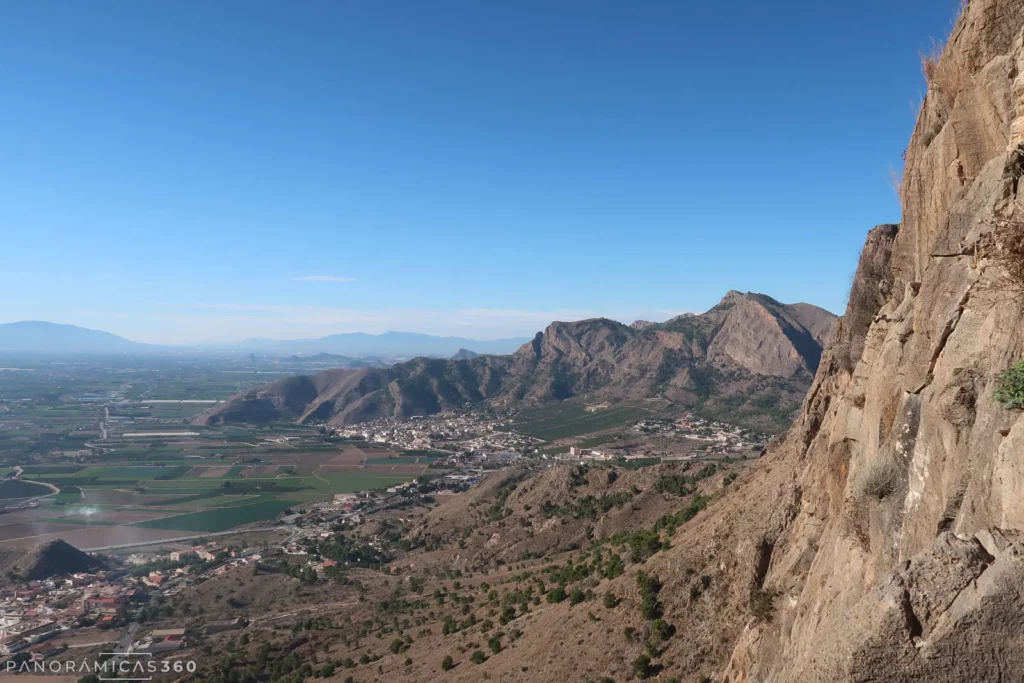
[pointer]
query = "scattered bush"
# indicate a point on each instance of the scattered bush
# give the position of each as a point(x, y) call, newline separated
point(642, 666)
point(447, 664)
point(1010, 386)
point(762, 604)
point(610, 601)
point(649, 586)
point(508, 613)
point(662, 630)
point(478, 657)
point(643, 543)
point(615, 567)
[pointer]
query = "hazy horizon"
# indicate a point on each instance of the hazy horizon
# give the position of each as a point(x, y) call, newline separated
point(233, 340)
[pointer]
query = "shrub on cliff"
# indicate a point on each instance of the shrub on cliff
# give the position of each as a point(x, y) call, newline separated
point(762, 604)
point(1010, 386)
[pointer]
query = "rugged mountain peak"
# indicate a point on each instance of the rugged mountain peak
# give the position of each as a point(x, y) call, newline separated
point(732, 296)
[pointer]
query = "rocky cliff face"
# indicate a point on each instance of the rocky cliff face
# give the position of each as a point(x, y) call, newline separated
point(750, 359)
point(898, 556)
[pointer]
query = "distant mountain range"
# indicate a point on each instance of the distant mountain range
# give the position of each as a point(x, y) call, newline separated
point(45, 337)
point(750, 359)
point(37, 336)
point(402, 344)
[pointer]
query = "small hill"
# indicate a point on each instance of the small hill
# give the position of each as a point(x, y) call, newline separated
point(37, 336)
point(464, 354)
point(54, 558)
point(749, 360)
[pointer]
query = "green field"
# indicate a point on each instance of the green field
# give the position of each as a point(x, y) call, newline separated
point(12, 489)
point(567, 420)
point(233, 472)
point(221, 519)
point(350, 482)
point(43, 470)
point(123, 473)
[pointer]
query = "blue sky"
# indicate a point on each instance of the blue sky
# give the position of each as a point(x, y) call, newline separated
point(195, 171)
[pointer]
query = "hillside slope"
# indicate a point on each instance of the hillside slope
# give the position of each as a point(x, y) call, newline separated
point(750, 359)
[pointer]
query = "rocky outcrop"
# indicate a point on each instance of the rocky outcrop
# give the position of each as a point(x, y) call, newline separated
point(904, 561)
point(748, 360)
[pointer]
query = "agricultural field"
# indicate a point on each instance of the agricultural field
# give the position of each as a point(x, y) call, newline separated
point(110, 503)
point(118, 462)
point(571, 419)
point(222, 518)
point(13, 489)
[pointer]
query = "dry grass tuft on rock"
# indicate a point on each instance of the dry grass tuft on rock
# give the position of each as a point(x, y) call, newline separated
point(945, 77)
point(883, 477)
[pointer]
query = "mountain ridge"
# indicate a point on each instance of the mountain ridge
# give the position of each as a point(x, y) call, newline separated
point(747, 348)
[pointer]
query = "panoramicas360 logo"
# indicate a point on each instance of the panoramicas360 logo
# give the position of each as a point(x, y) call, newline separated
point(122, 666)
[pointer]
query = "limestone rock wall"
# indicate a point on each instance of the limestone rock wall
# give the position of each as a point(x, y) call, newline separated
point(904, 562)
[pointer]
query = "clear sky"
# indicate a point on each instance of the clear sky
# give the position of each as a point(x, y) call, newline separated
point(196, 171)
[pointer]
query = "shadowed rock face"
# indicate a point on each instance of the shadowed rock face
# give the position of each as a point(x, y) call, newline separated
point(905, 557)
point(748, 348)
